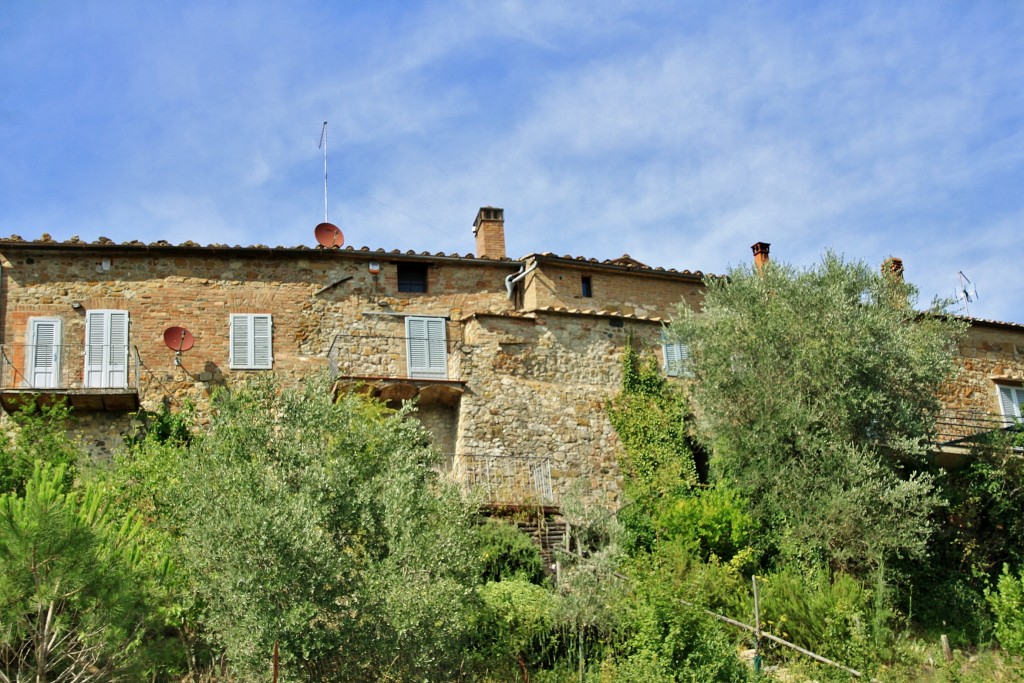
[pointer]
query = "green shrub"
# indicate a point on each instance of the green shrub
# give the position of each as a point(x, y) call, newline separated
point(506, 553)
point(1007, 603)
point(836, 616)
point(712, 521)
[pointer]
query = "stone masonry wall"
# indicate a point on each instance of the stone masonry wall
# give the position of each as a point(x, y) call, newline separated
point(989, 355)
point(316, 299)
point(537, 387)
point(638, 292)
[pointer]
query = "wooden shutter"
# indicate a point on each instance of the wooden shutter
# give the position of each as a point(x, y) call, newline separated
point(1009, 401)
point(427, 348)
point(106, 349)
point(44, 353)
point(676, 356)
point(251, 342)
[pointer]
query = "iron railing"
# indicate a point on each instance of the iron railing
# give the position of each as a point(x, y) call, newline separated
point(53, 367)
point(506, 479)
point(966, 427)
point(374, 355)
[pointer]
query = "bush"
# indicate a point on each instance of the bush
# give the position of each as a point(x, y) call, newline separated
point(506, 553)
point(836, 616)
point(1007, 603)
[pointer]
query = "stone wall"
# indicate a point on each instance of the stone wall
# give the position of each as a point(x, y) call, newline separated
point(990, 354)
point(641, 292)
point(316, 299)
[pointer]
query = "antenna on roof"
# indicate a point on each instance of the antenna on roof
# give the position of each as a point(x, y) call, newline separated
point(966, 291)
point(327, 234)
point(323, 145)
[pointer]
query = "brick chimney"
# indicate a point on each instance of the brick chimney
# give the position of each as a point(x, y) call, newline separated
point(893, 267)
point(760, 254)
point(489, 229)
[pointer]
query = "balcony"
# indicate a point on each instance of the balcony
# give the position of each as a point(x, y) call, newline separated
point(957, 431)
point(396, 368)
point(99, 377)
point(507, 481)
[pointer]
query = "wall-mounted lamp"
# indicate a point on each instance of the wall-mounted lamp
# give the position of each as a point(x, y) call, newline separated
point(76, 305)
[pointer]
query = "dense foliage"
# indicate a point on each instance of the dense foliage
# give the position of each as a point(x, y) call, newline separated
point(816, 393)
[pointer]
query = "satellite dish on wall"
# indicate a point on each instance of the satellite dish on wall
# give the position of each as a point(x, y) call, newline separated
point(178, 339)
point(329, 235)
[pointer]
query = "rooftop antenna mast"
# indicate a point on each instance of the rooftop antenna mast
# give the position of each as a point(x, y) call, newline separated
point(323, 145)
point(965, 290)
point(327, 234)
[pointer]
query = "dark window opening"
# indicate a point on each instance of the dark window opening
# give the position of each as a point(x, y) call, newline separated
point(588, 290)
point(412, 277)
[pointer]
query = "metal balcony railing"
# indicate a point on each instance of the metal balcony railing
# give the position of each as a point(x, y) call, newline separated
point(377, 356)
point(51, 367)
point(506, 479)
point(966, 427)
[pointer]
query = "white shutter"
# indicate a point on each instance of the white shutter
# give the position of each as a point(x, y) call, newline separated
point(676, 356)
point(1010, 400)
point(251, 342)
point(117, 349)
point(44, 353)
point(106, 349)
point(262, 337)
point(427, 348)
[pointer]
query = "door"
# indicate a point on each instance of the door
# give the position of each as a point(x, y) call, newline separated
point(43, 353)
point(106, 349)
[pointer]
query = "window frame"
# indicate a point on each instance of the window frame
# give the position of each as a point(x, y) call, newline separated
point(250, 362)
point(433, 343)
point(410, 268)
point(587, 286)
point(1010, 396)
point(675, 355)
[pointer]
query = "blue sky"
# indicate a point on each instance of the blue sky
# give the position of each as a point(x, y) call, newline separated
point(679, 133)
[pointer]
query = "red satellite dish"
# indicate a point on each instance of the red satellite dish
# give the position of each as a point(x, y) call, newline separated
point(329, 235)
point(178, 339)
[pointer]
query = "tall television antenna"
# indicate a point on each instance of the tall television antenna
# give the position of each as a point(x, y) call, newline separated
point(323, 145)
point(966, 292)
point(327, 234)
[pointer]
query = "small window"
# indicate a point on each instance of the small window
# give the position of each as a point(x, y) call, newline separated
point(588, 290)
point(251, 341)
point(412, 277)
point(676, 357)
point(1010, 401)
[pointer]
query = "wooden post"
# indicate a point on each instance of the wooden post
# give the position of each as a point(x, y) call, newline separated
point(946, 652)
point(757, 628)
point(275, 661)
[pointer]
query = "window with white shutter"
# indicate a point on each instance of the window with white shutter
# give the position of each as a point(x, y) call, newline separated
point(676, 357)
point(1010, 400)
point(251, 342)
point(427, 348)
point(44, 353)
point(106, 349)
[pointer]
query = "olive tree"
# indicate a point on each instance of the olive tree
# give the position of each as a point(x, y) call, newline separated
point(815, 392)
point(320, 526)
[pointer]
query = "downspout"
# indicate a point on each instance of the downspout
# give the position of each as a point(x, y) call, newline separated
point(511, 280)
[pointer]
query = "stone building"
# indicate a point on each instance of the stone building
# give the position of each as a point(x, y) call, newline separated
point(510, 361)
